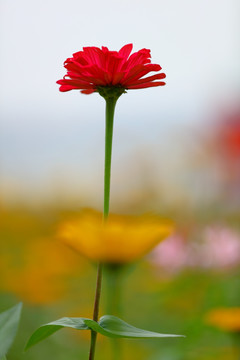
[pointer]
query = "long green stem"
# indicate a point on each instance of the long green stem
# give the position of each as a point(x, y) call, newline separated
point(110, 107)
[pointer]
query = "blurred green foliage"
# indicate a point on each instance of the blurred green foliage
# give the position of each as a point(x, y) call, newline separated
point(52, 281)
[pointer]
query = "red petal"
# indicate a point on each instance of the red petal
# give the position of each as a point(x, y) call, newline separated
point(79, 57)
point(140, 57)
point(75, 83)
point(132, 73)
point(65, 88)
point(105, 49)
point(87, 91)
point(108, 78)
point(148, 79)
point(87, 79)
point(147, 85)
point(117, 78)
point(92, 55)
point(126, 50)
point(139, 71)
point(95, 72)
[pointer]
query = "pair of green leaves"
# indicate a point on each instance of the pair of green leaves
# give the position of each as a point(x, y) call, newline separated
point(108, 325)
point(9, 321)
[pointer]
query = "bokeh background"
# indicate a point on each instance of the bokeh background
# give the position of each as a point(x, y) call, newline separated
point(176, 153)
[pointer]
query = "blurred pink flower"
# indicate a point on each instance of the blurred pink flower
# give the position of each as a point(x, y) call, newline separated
point(218, 248)
point(172, 254)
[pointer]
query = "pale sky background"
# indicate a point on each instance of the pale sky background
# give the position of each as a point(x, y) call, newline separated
point(51, 143)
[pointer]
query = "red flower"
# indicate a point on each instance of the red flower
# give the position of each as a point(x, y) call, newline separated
point(229, 135)
point(95, 68)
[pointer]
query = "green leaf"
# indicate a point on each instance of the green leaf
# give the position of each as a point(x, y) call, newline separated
point(9, 321)
point(113, 327)
point(109, 326)
point(46, 330)
point(3, 358)
point(116, 327)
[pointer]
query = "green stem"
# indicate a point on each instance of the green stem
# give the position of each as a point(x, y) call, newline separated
point(113, 275)
point(96, 311)
point(110, 107)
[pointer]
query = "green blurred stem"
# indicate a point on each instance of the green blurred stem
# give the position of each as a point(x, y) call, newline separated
point(110, 107)
point(114, 301)
point(114, 286)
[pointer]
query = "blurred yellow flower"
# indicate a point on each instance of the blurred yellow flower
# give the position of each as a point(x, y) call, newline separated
point(33, 266)
point(121, 239)
point(38, 275)
point(227, 319)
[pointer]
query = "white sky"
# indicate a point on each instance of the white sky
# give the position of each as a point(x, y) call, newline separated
point(45, 134)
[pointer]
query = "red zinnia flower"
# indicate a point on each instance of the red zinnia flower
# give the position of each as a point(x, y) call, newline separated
point(93, 69)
